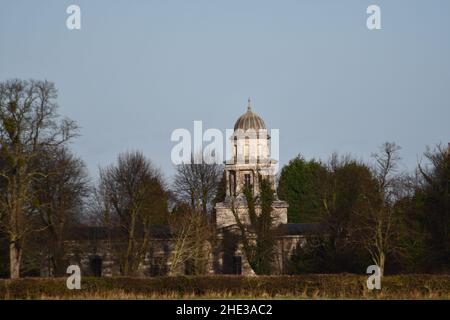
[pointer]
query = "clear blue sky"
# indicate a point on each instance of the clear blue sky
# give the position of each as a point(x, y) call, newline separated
point(137, 70)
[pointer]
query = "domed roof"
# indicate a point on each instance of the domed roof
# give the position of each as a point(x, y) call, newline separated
point(249, 120)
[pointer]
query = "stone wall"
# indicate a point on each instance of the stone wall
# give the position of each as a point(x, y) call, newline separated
point(225, 216)
point(98, 258)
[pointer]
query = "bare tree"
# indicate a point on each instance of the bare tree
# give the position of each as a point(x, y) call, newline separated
point(197, 184)
point(29, 123)
point(60, 194)
point(133, 197)
point(377, 223)
point(192, 236)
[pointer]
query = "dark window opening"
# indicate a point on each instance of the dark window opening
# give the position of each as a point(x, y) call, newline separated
point(237, 265)
point(232, 183)
point(189, 268)
point(96, 266)
point(248, 180)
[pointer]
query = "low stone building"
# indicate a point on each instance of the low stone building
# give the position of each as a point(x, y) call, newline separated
point(93, 247)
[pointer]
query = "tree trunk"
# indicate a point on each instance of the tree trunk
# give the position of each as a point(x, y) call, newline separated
point(128, 267)
point(15, 256)
point(381, 263)
point(59, 269)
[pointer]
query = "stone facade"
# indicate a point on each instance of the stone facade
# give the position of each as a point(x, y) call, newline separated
point(97, 257)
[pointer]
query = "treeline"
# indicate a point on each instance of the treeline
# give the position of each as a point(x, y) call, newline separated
point(371, 213)
point(46, 196)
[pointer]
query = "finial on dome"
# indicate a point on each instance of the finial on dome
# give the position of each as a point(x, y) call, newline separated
point(249, 105)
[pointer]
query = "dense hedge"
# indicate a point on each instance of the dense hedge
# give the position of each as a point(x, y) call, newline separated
point(308, 286)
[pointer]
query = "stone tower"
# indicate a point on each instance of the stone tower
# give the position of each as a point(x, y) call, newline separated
point(250, 160)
